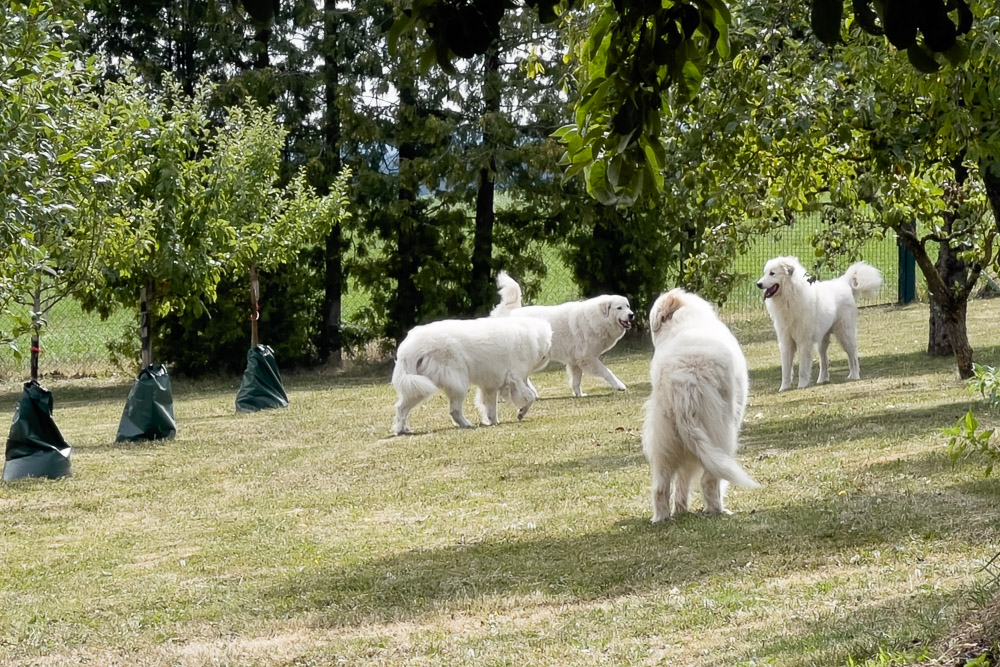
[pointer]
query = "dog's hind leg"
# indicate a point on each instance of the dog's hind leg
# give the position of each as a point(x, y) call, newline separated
point(848, 339)
point(486, 402)
point(660, 489)
point(597, 369)
point(824, 360)
point(713, 490)
point(455, 399)
point(575, 379)
point(682, 497)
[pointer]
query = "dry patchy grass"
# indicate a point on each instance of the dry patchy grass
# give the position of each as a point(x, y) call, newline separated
point(308, 536)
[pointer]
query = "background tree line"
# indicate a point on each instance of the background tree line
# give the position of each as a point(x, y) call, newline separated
point(462, 170)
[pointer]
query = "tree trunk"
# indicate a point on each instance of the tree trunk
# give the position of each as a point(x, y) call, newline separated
point(954, 274)
point(331, 340)
point(36, 326)
point(145, 326)
point(482, 245)
point(406, 306)
point(254, 306)
point(992, 183)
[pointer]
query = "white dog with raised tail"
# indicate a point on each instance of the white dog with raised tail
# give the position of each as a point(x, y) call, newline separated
point(806, 314)
point(699, 392)
point(581, 330)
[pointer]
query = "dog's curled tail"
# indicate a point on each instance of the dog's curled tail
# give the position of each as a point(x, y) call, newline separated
point(510, 294)
point(865, 280)
point(408, 383)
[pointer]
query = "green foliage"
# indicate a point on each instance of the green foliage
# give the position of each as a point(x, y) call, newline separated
point(965, 438)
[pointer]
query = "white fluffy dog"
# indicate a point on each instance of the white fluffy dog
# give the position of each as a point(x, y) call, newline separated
point(806, 313)
point(581, 330)
point(693, 415)
point(497, 355)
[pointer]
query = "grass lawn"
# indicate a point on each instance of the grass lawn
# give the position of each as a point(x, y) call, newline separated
point(308, 536)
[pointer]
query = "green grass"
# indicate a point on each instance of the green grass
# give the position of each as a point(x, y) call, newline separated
point(308, 536)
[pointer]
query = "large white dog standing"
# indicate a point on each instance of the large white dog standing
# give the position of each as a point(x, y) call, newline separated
point(497, 355)
point(581, 330)
point(699, 392)
point(805, 314)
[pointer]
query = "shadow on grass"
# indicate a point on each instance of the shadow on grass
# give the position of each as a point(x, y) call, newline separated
point(898, 365)
point(820, 429)
point(628, 558)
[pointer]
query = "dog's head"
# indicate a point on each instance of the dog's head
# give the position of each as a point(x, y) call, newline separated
point(777, 272)
point(672, 309)
point(617, 310)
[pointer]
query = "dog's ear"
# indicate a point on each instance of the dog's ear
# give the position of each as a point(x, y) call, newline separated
point(664, 311)
point(606, 306)
point(789, 267)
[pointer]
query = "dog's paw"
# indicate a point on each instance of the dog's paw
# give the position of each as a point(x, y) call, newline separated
point(784, 387)
point(620, 387)
point(660, 519)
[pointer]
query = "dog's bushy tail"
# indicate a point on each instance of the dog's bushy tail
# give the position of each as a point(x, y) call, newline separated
point(865, 280)
point(510, 294)
point(703, 423)
point(408, 383)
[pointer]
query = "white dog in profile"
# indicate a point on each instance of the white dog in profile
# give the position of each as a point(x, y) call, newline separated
point(806, 314)
point(497, 355)
point(699, 392)
point(581, 330)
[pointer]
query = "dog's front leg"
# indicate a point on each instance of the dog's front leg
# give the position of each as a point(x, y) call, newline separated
point(805, 365)
point(787, 349)
point(486, 401)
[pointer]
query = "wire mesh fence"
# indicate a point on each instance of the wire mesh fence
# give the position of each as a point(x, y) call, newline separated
point(80, 344)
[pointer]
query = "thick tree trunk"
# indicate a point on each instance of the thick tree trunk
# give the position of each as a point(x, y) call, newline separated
point(482, 245)
point(407, 303)
point(331, 339)
point(992, 183)
point(954, 274)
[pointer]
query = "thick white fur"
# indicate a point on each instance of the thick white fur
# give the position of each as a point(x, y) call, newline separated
point(806, 314)
point(581, 330)
point(699, 392)
point(497, 355)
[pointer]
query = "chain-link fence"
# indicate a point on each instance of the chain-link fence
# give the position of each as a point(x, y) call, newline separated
point(78, 344)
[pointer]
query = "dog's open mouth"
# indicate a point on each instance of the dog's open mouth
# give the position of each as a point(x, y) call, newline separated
point(625, 324)
point(771, 291)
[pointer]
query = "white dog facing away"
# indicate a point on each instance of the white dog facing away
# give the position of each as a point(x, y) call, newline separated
point(805, 314)
point(581, 330)
point(692, 418)
point(497, 355)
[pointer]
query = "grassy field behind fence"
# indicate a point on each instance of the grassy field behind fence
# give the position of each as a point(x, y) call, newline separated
point(308, 536)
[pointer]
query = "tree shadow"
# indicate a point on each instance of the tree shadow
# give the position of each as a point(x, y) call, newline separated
point(627, 558)
point(819, 429)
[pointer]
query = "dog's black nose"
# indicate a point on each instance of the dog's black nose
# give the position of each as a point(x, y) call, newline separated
point(759, 285)
point(631, 316)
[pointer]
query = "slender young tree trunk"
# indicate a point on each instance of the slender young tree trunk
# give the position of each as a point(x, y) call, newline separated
point(254, 306)
point(482, 245)
point(36, 326)
point(146, 326)
point(331, 340)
